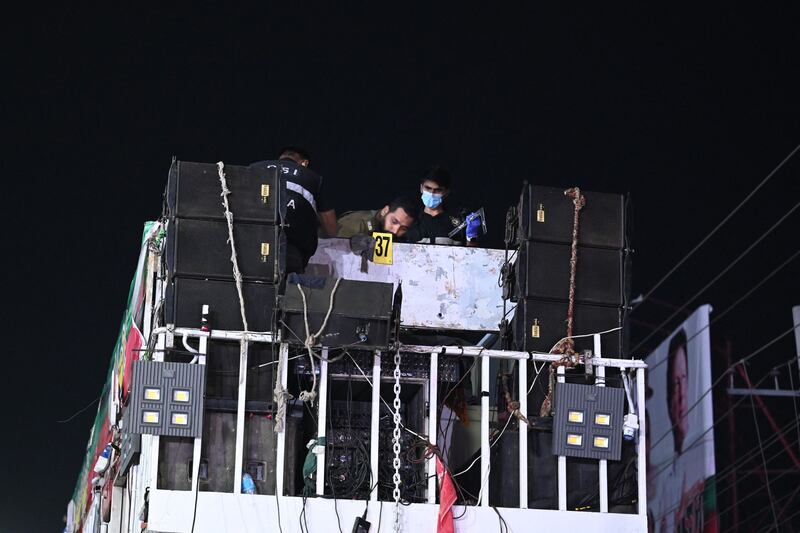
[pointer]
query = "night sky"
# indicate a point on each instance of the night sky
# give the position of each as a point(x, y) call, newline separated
point(687, 111)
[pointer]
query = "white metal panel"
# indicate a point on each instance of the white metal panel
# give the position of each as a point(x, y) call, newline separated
point(245, 513)
point(444, 287)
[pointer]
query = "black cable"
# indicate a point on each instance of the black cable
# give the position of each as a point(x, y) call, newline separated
point(718, 316)
point(723, 375)
point(278, 507)
point(729, 266)
point(733, 212)
point(194, 512)
point(731, 468)
point(503, 524)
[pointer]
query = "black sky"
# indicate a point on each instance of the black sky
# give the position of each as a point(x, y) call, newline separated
point(686, 110)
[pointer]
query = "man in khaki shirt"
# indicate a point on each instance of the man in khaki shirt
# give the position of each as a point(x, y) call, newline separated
point(395, 218)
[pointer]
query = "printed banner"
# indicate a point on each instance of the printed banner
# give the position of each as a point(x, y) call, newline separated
point(681, 495)
point(127, 349)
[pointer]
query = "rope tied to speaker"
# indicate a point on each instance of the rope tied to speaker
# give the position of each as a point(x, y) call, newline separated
point(566, 346)
point(237, 274)
point(311, 340)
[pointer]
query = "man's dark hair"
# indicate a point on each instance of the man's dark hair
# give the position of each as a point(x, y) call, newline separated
point(439, 175)
point(295, 153)
point(677, 341)
point(411, 207)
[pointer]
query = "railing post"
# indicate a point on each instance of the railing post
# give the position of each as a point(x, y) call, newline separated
point(642, 447)
point(433, 423)
point(562, 461)
point(485, 457)
point(523, 434)
point(238, 460)
point(283, 365)
point(322, 419)
point(603, 467)
point(375, 426)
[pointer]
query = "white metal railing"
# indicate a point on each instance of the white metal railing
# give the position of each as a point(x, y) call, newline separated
point(432, 423)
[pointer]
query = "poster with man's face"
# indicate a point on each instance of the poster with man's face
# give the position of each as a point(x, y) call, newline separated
point(680, 436)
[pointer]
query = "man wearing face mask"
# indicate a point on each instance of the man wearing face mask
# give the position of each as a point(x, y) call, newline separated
point(437, 219)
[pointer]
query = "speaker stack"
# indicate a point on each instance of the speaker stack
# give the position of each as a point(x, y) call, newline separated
point(198, 252)
point(543, 228)
point(200, 272)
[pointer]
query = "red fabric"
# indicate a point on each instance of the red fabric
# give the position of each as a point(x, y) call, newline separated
point(133, 346)
point(447, 498)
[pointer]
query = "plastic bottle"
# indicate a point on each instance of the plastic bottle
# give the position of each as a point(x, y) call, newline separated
point(102, 461)
point(248, 486)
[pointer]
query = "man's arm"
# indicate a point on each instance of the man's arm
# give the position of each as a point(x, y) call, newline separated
point(327, 219)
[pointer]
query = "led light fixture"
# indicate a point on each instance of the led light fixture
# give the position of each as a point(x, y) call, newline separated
point(588, 421)
point(152, 394)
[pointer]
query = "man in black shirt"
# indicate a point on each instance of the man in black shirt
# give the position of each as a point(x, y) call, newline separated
point(437, 219)
point(306, 207)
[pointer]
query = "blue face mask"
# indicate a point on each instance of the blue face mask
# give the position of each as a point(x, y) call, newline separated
point(431, 201)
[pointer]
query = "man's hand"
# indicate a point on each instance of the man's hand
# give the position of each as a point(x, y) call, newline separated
point(473, 226)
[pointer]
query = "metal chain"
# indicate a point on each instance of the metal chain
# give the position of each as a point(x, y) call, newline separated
point(396, 442)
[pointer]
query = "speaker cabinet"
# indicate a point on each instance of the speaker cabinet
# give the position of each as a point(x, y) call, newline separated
point(538, 325)
point(200, 248)
point(546, 214)
point(542, 271)
point(185, 299)
point(361, 314)
point(194, 191)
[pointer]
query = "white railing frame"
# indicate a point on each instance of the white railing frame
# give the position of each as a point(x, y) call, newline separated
point(600, 363)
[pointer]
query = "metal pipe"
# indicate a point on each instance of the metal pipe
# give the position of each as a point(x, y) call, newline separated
point(238, 457)
point(642, 448)
point(473, 351)
point(485, 458)
point(433, 423)
point(283, 356)
point(374, 433)
point(603, 466)
point(562, 461)
point(523, 435)
point(322, 419)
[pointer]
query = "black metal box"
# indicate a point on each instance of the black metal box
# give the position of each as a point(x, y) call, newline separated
point(538, 325)
point(186, 296)
point(194, 191)
point(200, 248)
point(361, 314)
point(547, 214)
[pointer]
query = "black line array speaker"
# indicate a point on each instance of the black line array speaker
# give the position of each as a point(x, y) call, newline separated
point(194, 192)
point(543, 270)
point(198, 252)
point(540, 324)
point(546, 214)
point(541, 277)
